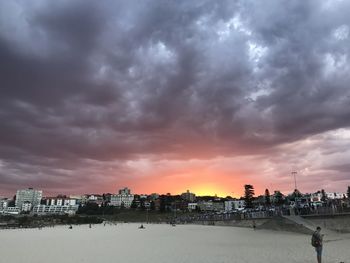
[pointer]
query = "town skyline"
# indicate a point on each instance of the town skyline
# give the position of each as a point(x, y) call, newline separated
point(174, 95)
point(236, 196)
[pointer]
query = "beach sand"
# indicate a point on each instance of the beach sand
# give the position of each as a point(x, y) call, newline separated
point(163, 244)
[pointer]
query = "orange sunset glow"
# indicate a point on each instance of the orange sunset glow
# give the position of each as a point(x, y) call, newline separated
point(202, 177)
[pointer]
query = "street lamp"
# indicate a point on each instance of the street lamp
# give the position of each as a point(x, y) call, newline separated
point(294, 173)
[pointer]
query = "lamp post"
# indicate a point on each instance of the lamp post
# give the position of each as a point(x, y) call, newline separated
point(294, 173)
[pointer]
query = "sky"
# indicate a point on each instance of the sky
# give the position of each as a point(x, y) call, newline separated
point(164, 96)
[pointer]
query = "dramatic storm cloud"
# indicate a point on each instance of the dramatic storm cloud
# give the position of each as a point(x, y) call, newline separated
point(168, 95)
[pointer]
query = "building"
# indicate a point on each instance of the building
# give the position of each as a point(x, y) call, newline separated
point(141, 201)
point(123, 199)
point(78, 198)
point(125, 191)
point(28, 195)
point(11, 211)
point(316, 197)
point(192, 206)
point(205, 206)
point(60, 201)
point(3, 203)
point(233, 205)
point(26, 206)
point(218, 206)
point(190, 197)
point(91, 198)
point(335, 195)
point(55, 209)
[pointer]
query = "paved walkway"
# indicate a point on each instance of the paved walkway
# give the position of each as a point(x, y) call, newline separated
point(308, 224)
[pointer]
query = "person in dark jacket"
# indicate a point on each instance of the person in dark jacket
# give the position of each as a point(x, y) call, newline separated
point(317, 243)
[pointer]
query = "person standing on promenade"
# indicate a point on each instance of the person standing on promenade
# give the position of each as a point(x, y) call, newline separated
point(317, 243)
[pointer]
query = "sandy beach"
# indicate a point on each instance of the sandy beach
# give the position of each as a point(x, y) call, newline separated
point(163, 244)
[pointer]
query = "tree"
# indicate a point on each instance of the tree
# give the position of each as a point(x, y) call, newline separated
point(295, 196)
point(152, 206)
point(24, 221)
point(11, 203)
point(278, 198)
point(323, 196)
point(90, 209)
point(267, 197)
point(142, 204)
point(133, 204)
point(248, 195)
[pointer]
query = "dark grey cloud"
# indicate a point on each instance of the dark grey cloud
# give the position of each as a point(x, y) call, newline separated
point(112, 81)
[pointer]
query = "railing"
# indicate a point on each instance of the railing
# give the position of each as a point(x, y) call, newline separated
point(279, 211)
point(328, 210)
point(226, 216)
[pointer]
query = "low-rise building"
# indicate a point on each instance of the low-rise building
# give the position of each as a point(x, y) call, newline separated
point(205, 206)
point(218, 206)
point(78, 198)
point(11, 211)
point(336, 195)
point(3, 203)
point(192, 206)
point(92, 198)
point(316, 197)
point(232, 205)
point(55, 209)
point(60, 201)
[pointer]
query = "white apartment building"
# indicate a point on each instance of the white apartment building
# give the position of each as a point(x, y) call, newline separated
point(28, 195)
point(192, 206)
point(124, 198)
point(26, 206)
point(335, 195)
point(232, 205)
point(55, 209)
point(76, 197)
point(94, 197)
point(3, 203)
point(60, 201)
point(317, 197)
point(11, 211)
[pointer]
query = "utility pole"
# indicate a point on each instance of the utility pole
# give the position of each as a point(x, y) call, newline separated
point(294, 173)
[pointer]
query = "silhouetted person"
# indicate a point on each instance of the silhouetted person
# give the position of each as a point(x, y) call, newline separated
point(317, 243)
